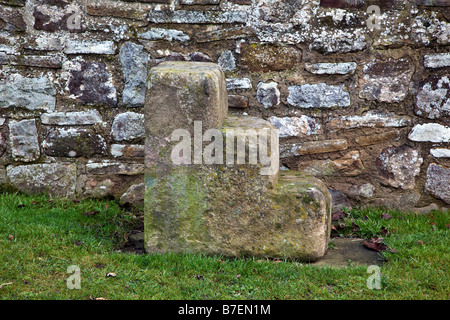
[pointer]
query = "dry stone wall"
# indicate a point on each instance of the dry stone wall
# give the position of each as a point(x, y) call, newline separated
point(361, 98)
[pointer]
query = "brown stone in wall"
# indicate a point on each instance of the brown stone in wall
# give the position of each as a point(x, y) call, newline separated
point(376, 138)
point(322, 146)
point(235, 101)
point(349, 165)
point(266, 57)
point(51, 62)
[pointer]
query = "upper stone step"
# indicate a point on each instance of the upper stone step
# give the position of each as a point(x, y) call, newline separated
point(180, 93)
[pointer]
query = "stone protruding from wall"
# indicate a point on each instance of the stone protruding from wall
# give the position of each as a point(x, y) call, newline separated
point(216, 200)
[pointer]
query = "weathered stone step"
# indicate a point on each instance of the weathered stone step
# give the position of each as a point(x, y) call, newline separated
point(252, 141)
point(215, 212)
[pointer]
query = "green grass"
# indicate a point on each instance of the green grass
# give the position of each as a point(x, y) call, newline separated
point(49, 235)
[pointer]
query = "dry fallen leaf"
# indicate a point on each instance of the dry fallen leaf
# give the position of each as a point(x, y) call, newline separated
point(375, 244)
point(91, 213)
point(111, 274)
point(386, 216)
point(11, 237)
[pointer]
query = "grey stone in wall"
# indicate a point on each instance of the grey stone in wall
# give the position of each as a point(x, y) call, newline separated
point(57, 179)
point(134, 195)
point(369, 120)
point(227, 61)
point(318, 95)
point(29, 93)
point(128, 126)
point(235, 83)
point(111, 167)
point(433, 99)
point(164, 34)
point(295, 126)
point(72, 118)
point(268, 94)
point(399, 166)
point(89, 47)
point(437, 183)
point(23, 137)
point(197, 17)
point(440, 153)
point(439, 60)
point(331, 68)
point(430, 132)
point(134, 66)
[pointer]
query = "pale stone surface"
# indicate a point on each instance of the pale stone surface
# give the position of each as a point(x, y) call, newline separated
point(134, 67)
point(399, 167)
point(366, 190)
point(295, 126)
point(439, 60)
point(128, 126)
point(430, 132)
point(331, 68)
point(233, 83)
point(72, 118)
point(24, 141)
point(268, 94)
point(318, 95)
point(89, 47)
point(134, 195)
point(227, 61)
point(197, 17)
point(370, 120)
point(437, 183)
point(112, 167)
point(57, 179)
point(433, 99)
point(164, 34)
point(440, 153)
point(29, 93)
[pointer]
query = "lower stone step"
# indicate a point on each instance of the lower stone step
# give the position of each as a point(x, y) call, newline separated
point(215, 211)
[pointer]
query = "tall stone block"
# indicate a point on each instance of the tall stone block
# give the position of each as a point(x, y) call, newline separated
point(180, 93)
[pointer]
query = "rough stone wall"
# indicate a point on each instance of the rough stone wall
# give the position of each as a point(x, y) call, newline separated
point(365, 110)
